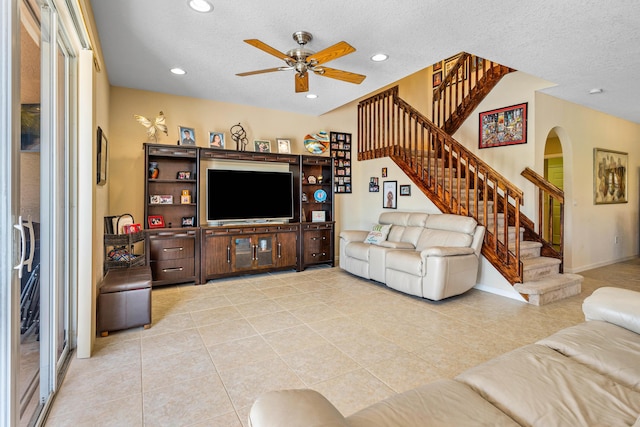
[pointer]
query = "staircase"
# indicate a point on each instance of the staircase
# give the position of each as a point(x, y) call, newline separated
point(458, 182)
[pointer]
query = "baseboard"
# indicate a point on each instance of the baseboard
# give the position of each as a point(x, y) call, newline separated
point(599, 264)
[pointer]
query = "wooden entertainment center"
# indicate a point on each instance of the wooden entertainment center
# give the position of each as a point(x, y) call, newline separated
point(182, 247)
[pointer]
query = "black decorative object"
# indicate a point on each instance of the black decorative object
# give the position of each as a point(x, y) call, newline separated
point(239, 135)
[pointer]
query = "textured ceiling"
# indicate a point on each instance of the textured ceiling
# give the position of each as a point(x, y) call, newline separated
point(577, 45)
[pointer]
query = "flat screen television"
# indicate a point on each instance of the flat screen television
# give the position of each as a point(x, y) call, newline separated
point(243, 195)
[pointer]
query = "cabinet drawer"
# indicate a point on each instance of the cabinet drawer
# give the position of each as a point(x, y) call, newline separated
point(173, 270)
point(173, 248)
point(317, 239)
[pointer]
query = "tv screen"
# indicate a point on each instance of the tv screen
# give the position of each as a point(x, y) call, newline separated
point(237, 195)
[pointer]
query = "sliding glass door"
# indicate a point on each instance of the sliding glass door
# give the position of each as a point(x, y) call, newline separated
point(35, 306)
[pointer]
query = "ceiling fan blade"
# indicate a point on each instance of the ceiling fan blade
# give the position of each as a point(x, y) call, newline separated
point(345, 76)
point(271, 51)
point(267, 70)
point(302, 82)
point(332, 52)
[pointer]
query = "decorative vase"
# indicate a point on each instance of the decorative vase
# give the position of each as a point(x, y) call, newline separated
point(153, 170)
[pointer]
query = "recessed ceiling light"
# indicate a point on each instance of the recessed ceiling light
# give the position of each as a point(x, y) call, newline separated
point(378, 57)
point(178, 71)
point(312, 96)
point(200, 5)
point(594, 91)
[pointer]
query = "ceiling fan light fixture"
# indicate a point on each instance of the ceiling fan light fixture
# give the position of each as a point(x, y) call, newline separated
point(379, 57)
point(202, 6)
point(178, 71)
point(595, 91)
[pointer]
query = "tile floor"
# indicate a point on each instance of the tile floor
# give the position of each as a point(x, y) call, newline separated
point(213, 348)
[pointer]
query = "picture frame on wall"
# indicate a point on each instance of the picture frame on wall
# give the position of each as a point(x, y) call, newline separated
point(437, 78)
point(187, 136)
point(610, 176)
point(101, 157)
point(450, 62)
point(405, 190)
point(503, 126)
point(390, 194)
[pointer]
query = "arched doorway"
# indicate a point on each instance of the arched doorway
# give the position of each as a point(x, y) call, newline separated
point(554, 173)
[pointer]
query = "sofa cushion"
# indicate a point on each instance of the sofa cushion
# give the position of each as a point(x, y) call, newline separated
point(430, 237)
point(378, 234)
point(414, 219)
point(538, 386)
point(606, 348)
point(614, 305)
point(358, 250)
point(442, 403)
point(407, 261)
point(451, 222)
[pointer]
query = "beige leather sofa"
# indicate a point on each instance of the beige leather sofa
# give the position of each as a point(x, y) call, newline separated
point(584, 375)
point(432, 256)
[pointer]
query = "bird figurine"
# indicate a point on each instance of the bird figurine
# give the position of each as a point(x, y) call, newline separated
point(153, 127)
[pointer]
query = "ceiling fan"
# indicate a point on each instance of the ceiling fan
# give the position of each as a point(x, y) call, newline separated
point(302, 60)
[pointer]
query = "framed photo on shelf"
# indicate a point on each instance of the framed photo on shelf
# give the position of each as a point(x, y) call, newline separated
point(610, 176)
point(390, 194)
point(155, 221)
point(160, 199)
point(405, 190)
point(262, 146)
point(503, 126)
point(183, 175)
point(284, 146)
point(216, 140)
point(187, 136)
point(188, 221)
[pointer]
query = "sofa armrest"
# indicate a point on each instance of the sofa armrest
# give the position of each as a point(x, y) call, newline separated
point(353, 235)
point(446, 251)
point(614, 305)
point(294, 408)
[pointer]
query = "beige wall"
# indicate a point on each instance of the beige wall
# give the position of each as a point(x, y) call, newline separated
point(126, 136)
point(591, 229)
point(579, 130)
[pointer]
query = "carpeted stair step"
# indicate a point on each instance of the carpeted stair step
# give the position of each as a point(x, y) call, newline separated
point(551, 288)
point(539, 267)
point(529, 249)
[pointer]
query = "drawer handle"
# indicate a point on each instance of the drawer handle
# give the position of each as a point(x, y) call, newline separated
point(314, 238)
point(178, 249)
point(324, 238)
point(169, 270)
point(228, 255)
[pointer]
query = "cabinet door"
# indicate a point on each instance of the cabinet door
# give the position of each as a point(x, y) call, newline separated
point(216, 255)
point(250, 252)
point(286, 250)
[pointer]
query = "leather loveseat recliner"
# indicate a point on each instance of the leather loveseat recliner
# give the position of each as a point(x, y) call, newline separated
point(432, 256)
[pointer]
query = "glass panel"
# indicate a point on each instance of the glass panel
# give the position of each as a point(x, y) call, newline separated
point(30, 352)
point(265, 250)
point(243, 252)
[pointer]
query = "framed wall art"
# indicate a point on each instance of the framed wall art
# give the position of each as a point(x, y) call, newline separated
point(340, 151)
point(101, 160)
point(390, 194)
point(405, 190)
point(610, 176)
point(504, 126)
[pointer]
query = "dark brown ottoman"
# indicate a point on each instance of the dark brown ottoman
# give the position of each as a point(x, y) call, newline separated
point(124, 300)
